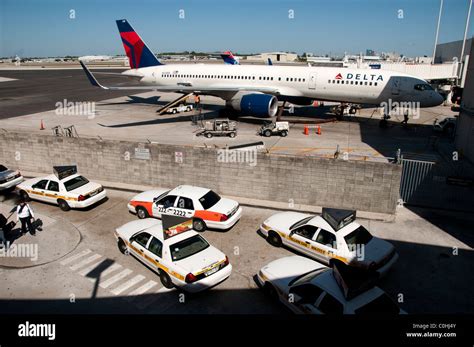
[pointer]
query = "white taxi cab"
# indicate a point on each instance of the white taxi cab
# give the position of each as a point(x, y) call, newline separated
point(308, 287)
point(204, 206)
point(332, 237)
point(180, 255)
point(65, 188)
point(9, 178)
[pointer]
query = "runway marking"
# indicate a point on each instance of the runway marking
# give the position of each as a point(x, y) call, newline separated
point(130, 283)
point(85, 262)
point(74, 257)
point(5, 79)
point(115, 278)
point(112, 268)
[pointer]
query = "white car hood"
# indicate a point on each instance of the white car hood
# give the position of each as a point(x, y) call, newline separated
point(149, 195)
point(283, 270)
point(284, 220)
point(224, 206)
point(201, 260)
point(127, 230)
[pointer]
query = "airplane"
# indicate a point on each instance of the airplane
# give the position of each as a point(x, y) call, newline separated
point(256, 90)
point(229, 58)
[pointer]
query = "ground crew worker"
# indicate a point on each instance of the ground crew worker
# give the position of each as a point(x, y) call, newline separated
point(197, 101)
point(24, 213)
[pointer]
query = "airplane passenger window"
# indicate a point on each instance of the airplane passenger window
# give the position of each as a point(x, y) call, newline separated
point(303, 79)
point(338, 82)
point(370, 83)
point(272, 78)
point(375, 83)
point(279, 78)
point(253, 77)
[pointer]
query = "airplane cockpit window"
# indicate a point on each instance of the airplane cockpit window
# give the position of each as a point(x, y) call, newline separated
point(422, 87)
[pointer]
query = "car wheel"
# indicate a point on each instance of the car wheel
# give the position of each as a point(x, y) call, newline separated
point(174, 111)
point(63, 205)
point(284, 133)
point(166, 280)
point(188, 109)
point(208, 135)
point(199, 225)
point(267, 133)
point(274, 239)
point(24, 195)
point(122, 247)
point(142, 213)
point(232, 135)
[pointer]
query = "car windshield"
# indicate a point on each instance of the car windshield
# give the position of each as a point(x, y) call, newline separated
point(301, 222)
point(307, 277)
point(3, 168)
point(188, 247)
point(360, 236)
point(209, 199)
point(75, 183)
point(161, 196)
point(382, 304)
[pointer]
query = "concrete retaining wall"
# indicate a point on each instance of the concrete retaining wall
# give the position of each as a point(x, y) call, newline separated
point(365, 186)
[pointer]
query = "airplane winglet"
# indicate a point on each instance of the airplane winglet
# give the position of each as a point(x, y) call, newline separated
point(91, 77)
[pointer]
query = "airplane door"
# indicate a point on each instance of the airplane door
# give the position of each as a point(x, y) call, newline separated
point(312, 81)
point(396, 86)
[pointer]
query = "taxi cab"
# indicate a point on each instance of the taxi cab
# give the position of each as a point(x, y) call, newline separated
point(180, 255)
point(9, 178)
point(65, 188)
point(332, 237)
point(206, 208)
point(308, 287)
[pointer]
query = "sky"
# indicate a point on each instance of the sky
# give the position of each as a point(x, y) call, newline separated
point(46, 28)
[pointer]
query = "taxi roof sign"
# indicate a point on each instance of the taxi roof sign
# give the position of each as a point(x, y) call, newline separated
point(353, 281)
point(175, 225)
point(338, 218)
point(62, 172)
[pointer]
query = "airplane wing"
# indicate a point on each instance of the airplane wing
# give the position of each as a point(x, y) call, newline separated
point(178, 88)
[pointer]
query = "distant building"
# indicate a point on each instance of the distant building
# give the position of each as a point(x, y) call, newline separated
point(369, 52)
point(445, 52)
point(282, 57)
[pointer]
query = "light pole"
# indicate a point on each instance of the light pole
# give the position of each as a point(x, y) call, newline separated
point(437, 31)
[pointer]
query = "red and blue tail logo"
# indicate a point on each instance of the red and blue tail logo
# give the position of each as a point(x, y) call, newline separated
point(229, 58)
point(139, 55)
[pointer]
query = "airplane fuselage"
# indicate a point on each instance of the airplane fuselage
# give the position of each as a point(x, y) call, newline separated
point(363, 86)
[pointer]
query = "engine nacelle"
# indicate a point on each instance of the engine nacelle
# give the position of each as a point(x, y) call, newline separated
point(255, 104)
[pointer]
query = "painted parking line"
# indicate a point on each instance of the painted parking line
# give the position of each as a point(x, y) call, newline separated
point(85, 262)
point(114, 267)
point(143, 289)
point(76, 256)
point(115, 278)
point(90, 268)
point(127, 285)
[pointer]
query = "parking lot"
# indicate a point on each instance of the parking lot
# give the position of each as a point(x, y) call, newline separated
point(79, 268)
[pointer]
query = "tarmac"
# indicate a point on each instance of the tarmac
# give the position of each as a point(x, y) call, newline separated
point(44, 97)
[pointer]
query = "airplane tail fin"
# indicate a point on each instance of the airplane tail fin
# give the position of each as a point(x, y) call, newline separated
point(229, 58)
point(138, 53)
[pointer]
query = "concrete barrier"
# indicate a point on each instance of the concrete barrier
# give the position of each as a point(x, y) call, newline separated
point(364, 186)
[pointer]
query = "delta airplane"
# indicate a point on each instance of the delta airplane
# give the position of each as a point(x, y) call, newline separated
point(256, 89)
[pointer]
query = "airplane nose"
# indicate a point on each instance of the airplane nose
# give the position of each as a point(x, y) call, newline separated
point(439, 99)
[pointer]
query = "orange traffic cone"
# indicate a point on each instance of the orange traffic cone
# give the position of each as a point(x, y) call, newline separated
point(318, 131)
point(42, 125)
point(306, 130)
